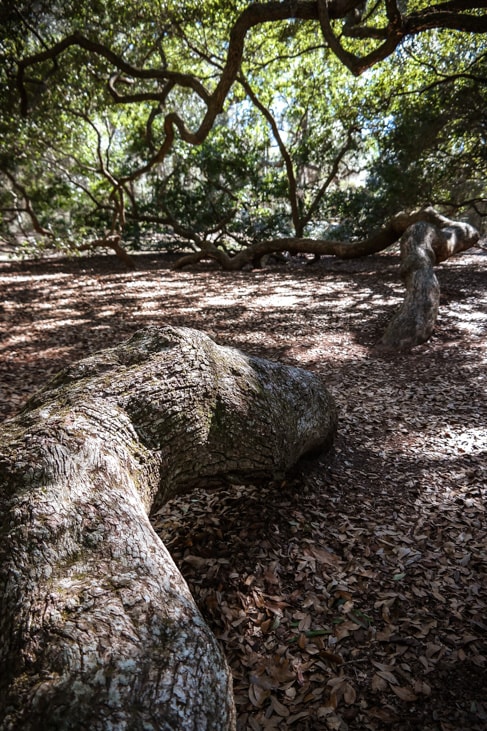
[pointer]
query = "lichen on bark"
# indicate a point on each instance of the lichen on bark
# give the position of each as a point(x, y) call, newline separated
point(99, 630)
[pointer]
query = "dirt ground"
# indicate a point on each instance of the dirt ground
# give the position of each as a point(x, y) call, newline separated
point(353, 595)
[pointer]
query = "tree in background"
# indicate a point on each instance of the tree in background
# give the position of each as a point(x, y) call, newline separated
point(245, 129)
point(132, 115)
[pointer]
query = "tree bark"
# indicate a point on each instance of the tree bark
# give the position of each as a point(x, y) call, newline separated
point(98, 629)
point(111, 241)
point(422, 246)
point(378, 241)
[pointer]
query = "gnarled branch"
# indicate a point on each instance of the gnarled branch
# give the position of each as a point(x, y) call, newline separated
point(98, 629)
point(423, 245)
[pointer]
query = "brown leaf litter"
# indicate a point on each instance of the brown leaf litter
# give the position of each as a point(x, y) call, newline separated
point(353, 595)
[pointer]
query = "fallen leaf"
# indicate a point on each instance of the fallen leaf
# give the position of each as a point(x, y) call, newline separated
point(404, 693)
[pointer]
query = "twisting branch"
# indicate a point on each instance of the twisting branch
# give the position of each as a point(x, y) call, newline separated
point(288, 163)
point(349, 60)
point(423, 245)
point(99, 630)
point(358, 64)
point(373, 244)
point(450, 14)
point(255, 14)
point(77, 39)
point(331, 175)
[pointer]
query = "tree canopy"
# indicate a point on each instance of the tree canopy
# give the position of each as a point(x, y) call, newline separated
point(229, 123)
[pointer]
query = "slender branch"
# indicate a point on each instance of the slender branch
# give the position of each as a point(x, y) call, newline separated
point(330, 177)
point(288, 163)
point(29, 209)
point(470, 202)
point(79, 40)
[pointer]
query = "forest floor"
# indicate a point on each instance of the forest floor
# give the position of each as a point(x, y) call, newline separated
point(354, 594)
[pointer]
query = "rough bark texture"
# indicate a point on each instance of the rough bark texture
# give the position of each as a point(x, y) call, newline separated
point(422, 246)
point(98, 628)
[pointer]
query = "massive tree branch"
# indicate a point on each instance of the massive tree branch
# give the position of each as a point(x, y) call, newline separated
point(422, 247)
point(426, 237)
point(98, 628)
point(376, 242)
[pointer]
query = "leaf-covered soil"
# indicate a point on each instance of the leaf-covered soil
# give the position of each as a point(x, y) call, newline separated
point(353, 595)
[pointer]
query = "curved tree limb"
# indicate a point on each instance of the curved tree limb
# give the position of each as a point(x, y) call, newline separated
point(423, 246)
point(77, 39)
point(449, 14)
point(98, 628)
point(110, 241)
point(377, 241)
point(358, 64)
point(288, 163)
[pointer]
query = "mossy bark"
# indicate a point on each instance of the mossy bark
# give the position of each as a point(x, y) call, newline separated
point(98, 628)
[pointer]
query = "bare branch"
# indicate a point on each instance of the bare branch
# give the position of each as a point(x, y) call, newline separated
point(291, 177)
point(330, 177)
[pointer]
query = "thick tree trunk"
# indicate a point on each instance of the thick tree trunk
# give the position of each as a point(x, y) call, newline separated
point(98, 630)
point(422, 246)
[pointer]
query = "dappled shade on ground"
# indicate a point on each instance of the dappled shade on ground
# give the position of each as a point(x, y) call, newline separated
point(354, 594)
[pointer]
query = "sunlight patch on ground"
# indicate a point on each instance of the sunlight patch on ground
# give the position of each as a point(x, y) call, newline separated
point(465, 441)
point(220, 301)
point(40, 278)
point(466, 319)
point(277, 299)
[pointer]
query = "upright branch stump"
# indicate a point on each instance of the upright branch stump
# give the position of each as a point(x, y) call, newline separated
point(98, 629)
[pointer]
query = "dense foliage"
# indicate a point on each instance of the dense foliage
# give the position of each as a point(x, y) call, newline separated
point(157, 123)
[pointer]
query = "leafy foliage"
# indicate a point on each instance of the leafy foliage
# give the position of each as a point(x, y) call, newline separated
point(96, 132)
point(436, 130)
